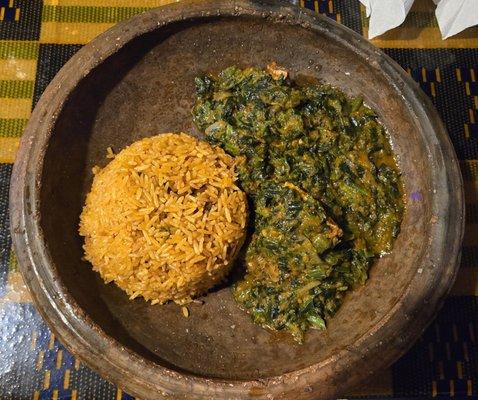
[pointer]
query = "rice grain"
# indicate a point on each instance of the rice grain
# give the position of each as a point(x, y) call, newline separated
point(164, 219)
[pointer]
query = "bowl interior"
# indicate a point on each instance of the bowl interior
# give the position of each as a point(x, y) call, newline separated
point(147, 88)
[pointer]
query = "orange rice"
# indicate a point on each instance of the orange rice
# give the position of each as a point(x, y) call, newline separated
point(164, 219)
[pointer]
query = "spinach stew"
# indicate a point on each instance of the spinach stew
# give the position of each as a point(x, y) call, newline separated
point(323, 184)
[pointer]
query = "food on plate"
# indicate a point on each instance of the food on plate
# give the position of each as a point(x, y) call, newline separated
point(324, 186)
point(164, 219)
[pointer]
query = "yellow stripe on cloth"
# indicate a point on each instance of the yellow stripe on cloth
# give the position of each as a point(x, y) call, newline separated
point(424, 38)
point(466, 283)
point(15, 108)
point(17, 291)
point(71, 32)
point(8, 149)
point(15, 69)
point(108, 3)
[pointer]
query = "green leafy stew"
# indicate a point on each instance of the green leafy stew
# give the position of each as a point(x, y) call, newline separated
point(324, 188)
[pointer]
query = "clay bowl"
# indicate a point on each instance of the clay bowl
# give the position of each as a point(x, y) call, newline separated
point(136, 80)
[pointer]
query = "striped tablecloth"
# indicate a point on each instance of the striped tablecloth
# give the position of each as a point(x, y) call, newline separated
point(37, 37)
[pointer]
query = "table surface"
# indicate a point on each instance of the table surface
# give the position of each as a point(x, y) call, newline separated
point(38, 37)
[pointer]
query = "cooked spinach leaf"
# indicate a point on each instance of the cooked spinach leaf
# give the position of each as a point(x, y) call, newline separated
point(324, 185)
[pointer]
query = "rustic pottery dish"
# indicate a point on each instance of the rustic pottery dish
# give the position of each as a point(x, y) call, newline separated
point(137, 80)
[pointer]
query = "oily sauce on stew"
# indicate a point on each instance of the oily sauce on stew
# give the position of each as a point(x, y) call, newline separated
point(325, 190)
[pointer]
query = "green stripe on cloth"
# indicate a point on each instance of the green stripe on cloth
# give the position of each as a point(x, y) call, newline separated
point(19, 50)
point(89, 14)
point(415, 19)
point(17, 89)
point(12, 127)
point(12, 262)
point(420, 20)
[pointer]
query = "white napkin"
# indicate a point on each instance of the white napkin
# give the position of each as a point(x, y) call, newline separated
point(453, 15)
point(385, 14)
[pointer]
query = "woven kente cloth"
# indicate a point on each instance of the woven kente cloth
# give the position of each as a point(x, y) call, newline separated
point(37, 37)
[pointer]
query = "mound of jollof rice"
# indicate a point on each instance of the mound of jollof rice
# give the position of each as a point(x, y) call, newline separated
point(164, 219)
